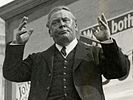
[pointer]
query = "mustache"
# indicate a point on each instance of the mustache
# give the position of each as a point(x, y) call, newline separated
point(63, 31)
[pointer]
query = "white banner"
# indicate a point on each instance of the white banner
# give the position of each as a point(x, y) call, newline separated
point(22, 91)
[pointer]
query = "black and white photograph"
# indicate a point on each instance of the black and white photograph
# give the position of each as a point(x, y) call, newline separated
point(66, 49)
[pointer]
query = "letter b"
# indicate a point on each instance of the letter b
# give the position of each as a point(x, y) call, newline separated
point(114, 27)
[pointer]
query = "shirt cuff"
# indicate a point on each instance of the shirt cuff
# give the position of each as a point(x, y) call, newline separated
point(14, 43)
point(107, 41)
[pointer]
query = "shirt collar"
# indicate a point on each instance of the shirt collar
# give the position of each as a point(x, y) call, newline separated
point(69, 47)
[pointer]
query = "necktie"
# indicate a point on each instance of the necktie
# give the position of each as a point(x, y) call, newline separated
point(63, 51)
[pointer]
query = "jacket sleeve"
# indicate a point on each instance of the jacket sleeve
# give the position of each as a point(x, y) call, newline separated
point(14, 67)
point(113, 62)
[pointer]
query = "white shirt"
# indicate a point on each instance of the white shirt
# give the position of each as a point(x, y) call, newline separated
point(69, 47)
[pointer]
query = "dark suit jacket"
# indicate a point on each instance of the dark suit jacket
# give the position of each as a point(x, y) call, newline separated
point(89, 64)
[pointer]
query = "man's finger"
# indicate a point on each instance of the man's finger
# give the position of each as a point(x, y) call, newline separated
point(21, 32)
point(98, 29)
point(23, 23)
point(94, 32)
point(104, 18)
point(30, 31)
point(101, 24)
point(24, 19)
point(98, 19)
point(22, 26)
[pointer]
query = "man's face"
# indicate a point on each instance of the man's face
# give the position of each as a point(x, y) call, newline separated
point(62, 27)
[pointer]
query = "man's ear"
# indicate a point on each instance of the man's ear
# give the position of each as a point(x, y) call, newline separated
point(76, 27)
point(77, 31)
point(50, 33)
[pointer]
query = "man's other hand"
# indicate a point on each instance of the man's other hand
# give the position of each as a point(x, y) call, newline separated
point(102, 31)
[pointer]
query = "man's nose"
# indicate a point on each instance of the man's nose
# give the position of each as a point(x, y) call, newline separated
point(62, 24)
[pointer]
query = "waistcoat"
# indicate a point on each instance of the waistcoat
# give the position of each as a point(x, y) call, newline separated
point(62, 87)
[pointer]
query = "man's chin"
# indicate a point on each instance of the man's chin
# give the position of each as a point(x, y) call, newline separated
point(63, 40)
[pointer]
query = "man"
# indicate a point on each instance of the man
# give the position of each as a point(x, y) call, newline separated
point(69, 69)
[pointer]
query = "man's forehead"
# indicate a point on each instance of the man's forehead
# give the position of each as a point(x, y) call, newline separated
point(61, 13)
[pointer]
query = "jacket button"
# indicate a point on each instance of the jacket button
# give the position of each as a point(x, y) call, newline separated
point(65, 94)
point(49, 74)
point(64, 79)
point(65, 62)
point(48, 88)
point(65, 87)
point(65, 67)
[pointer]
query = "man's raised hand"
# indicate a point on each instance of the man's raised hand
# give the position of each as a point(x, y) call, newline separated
point(22, 34)
point(102, 31)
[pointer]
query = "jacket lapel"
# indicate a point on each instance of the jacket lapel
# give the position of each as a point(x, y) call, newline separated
point(81, 52)
point(49, 57)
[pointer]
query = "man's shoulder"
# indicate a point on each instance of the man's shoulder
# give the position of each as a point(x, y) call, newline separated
point(90, 47)
point(85, 45)
point(49, 51)
point(43, 52)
